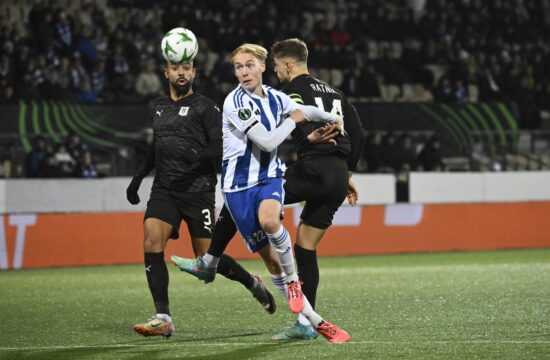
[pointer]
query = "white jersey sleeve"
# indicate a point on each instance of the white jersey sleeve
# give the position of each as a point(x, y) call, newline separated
point(268, 141)
point(242, 118)
point(312, 113)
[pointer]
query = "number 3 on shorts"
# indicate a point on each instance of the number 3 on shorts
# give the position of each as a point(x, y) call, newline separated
point(207, 220)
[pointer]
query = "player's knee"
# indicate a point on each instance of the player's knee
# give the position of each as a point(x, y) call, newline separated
point(152, 242)
point(270, 226)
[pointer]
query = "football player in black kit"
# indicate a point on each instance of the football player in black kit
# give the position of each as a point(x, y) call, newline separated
point(187, 144)
point(321, 176)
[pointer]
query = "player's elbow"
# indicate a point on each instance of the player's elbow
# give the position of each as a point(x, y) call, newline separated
point(267, 147)
point(263, 143)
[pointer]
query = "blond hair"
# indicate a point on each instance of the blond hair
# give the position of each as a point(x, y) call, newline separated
point(259, 52)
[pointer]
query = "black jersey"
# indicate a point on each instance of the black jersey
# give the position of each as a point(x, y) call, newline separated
point(307, 90)
point(191, 124)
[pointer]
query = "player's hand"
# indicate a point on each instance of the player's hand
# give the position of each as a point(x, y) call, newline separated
point(353, 194)
point(132, 190)
point(339, 123)
point(298, 116)
point(325, 134)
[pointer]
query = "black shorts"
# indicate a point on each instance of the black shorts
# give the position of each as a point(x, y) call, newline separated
point(322, 187)
point(197, 209)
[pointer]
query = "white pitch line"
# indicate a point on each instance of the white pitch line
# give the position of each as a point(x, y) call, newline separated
point(189, 344)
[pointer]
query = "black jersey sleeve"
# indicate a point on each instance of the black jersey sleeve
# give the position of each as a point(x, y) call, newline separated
point(354, 129)
point(149, 162)
point(213, 126)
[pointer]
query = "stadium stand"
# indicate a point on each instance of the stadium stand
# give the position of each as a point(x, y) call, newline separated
point(453, 52)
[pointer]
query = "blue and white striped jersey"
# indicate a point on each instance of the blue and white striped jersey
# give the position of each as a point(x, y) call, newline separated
point(244, 163)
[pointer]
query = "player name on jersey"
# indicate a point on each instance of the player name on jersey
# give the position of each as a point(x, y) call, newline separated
point(322, 88)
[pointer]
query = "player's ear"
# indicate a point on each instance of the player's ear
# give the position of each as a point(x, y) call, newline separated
point(166, 71)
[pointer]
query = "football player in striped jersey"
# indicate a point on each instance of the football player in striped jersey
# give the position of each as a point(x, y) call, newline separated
point(256, 119)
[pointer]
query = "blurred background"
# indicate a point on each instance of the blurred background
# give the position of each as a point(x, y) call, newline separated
point(440, 85)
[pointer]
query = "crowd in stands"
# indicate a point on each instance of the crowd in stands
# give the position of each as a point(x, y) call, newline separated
point(447, 50)
point(69, 159)
point(392, 153)
point(374, 50)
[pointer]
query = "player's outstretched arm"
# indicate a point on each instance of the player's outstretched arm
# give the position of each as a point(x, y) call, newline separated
point(312, 113)
point(269, 140)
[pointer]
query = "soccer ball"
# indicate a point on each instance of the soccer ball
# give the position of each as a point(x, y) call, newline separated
point(179, 46)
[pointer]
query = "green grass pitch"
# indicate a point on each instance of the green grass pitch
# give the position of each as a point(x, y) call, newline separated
point(485, 305)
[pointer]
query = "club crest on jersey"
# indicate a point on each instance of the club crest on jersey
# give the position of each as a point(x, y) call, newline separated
point(183, 111)
point(244, 114)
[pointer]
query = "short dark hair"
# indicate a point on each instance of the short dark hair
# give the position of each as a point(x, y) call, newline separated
point(293, 48)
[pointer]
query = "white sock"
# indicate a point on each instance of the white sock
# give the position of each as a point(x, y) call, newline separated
point(310, 314)
point(303, 320)
point(164, 317)
point(280, 241)
point(210, 261)
point(280, 284)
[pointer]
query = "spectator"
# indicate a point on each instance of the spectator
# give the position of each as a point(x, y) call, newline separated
point(49, 167)
point(79, 75)
point(444, 91)
point(63, 27)
point(405, 153)
point(7, 93)
point(528, 109)
point(373, 152)
point(75, 147)
point(430, 158)
point(86, 168)
point(98, 80)
point(34, 158)
point(7, 155)
point(86, 47)
point(390, 161)
point(148, 83)
point(461, 93)
point(119, 66)
point(63, 160)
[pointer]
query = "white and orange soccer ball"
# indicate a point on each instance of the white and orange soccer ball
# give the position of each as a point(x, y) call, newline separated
point(179, 46)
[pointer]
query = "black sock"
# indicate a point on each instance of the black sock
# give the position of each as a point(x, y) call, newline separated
point(308, 272)
point(157, 277)
point(231, 269)
point(223, 233)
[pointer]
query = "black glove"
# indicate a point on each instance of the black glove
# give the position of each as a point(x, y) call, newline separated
point(132, 190)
